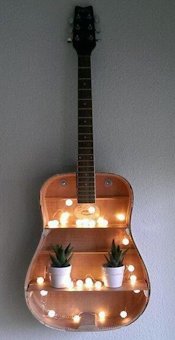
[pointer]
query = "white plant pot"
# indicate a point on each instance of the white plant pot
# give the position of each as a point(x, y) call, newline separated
point(60, 277)
point(113, 276)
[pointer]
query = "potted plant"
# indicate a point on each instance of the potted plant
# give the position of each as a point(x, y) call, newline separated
point(60, 266)
point(113, 269)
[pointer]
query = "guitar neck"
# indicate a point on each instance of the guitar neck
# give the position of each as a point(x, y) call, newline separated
point(85, 169)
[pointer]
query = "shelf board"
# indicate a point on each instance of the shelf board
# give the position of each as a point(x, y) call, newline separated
point(127, 286)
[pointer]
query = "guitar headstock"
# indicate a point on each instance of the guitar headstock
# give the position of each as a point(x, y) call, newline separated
point(84, 39)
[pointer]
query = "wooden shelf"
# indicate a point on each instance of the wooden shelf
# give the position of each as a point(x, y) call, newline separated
point(127, 286)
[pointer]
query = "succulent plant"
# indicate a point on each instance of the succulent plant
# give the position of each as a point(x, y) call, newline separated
point(62, 256)
point(115, 256)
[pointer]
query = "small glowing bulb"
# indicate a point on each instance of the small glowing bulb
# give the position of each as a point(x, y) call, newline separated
point(98, 284)
point(102, 316)
point(76, 318)
point(136, 291)
point(121, 217)
point(40, 280)
point(64, 218)
point(43, 292)
point(51, 313)
point(53, 224)
point(78, 223)
point(131, 268)
point(79, 284)
point(92, 223)
point(69, 202)
point(71, 284)
point(102, 222)
point(123, 314)
point(91, 210)
point(89, 282)
point(125, 241)
point(133, 279)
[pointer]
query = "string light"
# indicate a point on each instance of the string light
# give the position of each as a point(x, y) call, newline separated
point(125, 241)
point(64, 218)
point(133, 279)
point(69, 202)
point(89, 282)
point(131, 268)
point(85, 223)
point(71, 284)
point(102, 222)
point(40, 280)
point(79, 284)
point(102, 316)
point(76, 318)
point(51, 313)
point(92, 223)
point(136, 291)
point(91, 210)
point(121, 217)
point(98, 285)
point(123, 314)
point(53, 224)
point(43, 292)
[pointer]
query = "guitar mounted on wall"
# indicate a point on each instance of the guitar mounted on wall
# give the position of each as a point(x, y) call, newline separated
point(91, 211)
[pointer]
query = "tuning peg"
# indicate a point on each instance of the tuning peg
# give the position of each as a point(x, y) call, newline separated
point(97, 31)
point(97, 19)
point(69, 40)
point(70, 21)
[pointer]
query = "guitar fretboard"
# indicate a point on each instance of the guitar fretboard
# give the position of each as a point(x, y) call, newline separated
point(85, 169)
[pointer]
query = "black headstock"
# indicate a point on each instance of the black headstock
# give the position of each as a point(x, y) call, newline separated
point(84, 39)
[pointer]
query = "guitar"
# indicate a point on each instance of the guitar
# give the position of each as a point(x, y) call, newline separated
point(88, 210)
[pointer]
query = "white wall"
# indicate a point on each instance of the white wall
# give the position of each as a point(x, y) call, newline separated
point(134, 109)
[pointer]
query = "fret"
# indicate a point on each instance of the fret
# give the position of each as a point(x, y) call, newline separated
point(84, 67)
point(84, 162)
point(82, 168)
point(85, 142)
point(85, 148)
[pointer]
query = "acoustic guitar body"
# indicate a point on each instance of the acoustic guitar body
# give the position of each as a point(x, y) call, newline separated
point(90, 211)
point(114, 202)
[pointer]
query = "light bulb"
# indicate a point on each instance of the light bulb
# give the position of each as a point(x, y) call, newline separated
point(53, 224)
point(136, 291)
point(125, 241)
point(91, 223)
point(121, 217)
point(131, 268)
point(123, 314)
point(76, 318)
point(102, 316)
point(98, 284)
point(102, 222)
point(43, 292)
point(133, 279)
point(40, 280)
point(89, 282)
point(78, 223)
point(69, 202)
point(64, 218)
point(70, 284)
point(79, 284)
point(91, 210)
point(51, 313)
